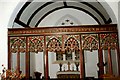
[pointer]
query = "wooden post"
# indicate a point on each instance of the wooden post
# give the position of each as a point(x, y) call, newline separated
point(9, 54)
point(110, 71)
point(82, 67)
point(100, 58)
point(47, 65)
point(46, 70)
point(27, 60)
point(101, 63)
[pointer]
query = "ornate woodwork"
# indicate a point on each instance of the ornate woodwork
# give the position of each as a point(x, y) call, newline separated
point(63, 30)
point(73, 75)
point(108, 40)
point(90, 42)
point(71, 43)
point(18, 43)
point(64, 40)
point(36, 44)
point(54, 45)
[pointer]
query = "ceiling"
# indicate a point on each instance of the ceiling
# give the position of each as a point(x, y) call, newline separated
point(36, 13)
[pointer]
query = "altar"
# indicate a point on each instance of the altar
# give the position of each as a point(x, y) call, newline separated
point(68, 74)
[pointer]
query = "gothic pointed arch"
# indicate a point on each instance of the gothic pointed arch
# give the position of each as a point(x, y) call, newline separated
point(36, 44)
point(67, 20)
point(108, 40)
point(17, 44)
point(90, 42)
point(54, 45)
point(31, 13)
point(71, 44)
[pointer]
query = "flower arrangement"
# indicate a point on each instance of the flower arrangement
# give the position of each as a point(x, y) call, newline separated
point(9, 75)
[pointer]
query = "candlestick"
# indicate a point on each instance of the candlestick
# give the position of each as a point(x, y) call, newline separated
point(72, 67)
point(64, 67)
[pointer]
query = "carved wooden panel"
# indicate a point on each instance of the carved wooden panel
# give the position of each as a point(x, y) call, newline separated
point(63, 30)
point(17, 43)
point(72, 42)
point(36, 43)
point(64, 39)
point(54, 43)
point(90, 41)
point(108, 40)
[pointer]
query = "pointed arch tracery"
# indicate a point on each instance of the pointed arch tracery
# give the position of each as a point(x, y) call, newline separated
point(108, 40)
point(71, 44)
point(36, 44)
point(17, 43)
point(73, 39)
point(54, 45)
point(90, 42)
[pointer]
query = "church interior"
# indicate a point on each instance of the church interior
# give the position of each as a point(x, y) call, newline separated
point(62, 39)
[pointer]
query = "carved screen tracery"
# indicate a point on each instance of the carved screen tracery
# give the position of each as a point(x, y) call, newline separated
point(18, 48)
point(53, 44)
point(66, 42)
point(17, 44)
point(90, 41)
point(72, 42)
point(36, 43)
point(71, 46)
point(108, 40)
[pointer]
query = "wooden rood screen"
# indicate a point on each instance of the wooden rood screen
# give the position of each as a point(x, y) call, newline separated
point(97, 37)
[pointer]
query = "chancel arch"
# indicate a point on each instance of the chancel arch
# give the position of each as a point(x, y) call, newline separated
point(31, 13)
point(49, 47)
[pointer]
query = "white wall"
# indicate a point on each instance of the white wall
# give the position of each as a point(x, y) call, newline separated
point(6, 9)
point(91, 67)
